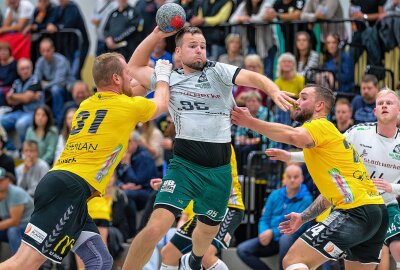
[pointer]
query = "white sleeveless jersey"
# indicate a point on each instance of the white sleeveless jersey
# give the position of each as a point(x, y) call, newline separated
point(201, 102)
point(380, 155)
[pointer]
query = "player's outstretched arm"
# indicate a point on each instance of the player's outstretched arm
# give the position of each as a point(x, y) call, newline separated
point(138, 64)
point(163, 71)
point(256, 80)
point(298, 137)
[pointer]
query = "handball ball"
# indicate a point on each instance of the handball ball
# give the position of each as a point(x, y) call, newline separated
point(170, 17)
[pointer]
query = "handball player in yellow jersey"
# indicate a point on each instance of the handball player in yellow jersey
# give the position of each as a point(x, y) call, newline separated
point(99, 136)
point(357, 225)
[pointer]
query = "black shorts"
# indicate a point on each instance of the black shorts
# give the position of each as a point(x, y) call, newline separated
point(182, 239)
point(60, 214)
point(356, 234)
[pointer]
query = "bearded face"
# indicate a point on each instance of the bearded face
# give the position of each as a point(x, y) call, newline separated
point(302, 115)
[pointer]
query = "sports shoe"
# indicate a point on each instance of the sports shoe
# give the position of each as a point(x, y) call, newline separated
point(185, 262)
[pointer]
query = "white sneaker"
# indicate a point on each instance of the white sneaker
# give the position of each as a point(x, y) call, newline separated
point(185, 262)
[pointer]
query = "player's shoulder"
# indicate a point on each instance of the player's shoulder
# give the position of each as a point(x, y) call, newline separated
point(363, 127)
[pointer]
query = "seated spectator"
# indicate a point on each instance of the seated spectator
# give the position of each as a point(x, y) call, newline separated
point(294, 197)
point(343, 115)
point(44, 133)
point(102, 10)
point(45, 12)
point(212, 13)
point(256, 39)
point(16, 207)
point(287, 11)
point(25, 97)
point(288, 80)
point(148, 10)
point(151, 139)
point(160, 52)
point(134, 172)
point(79, 91)
point(32, 169)
point(121, 31)
point(247, 140)
point(340, 63)
point(8, 71)
point(6, 161)
point(54, 73)
point(233, 55)
point(68, 15)
point(306, 58)
point(315, 10)
point(392, 7)
point(364, 104)
point(64, 133)
point(254, 63)
point(18, 15)
point(369, 10)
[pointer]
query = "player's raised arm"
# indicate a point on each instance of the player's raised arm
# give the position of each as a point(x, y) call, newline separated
point(138, 64)
point(163, 70)
point(256, 80)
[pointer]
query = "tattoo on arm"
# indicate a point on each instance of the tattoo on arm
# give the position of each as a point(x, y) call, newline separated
point(315, 209)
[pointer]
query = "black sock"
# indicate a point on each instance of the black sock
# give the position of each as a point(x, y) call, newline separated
point(195, 261)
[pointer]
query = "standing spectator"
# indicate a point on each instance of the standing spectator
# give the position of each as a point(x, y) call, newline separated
point(25, 97)
point(254, 63)
point(256, 39)
point(16, 206)
point(32, 169)
point(44, 133)
point(340, 63)
point(293, 197)
point(68, 15)
point(6, 161)
point(343, 115)
point(233, 55)
point(100, 15)
point(64, 133)
point(315, 10)
point(364, 104)
point(53, 71)
point(134, 172)
point(44, 13)
point(213, 13)
point(18, 15)
point(306, 57)
point(159, 52)
point(190, 7)
point(369, 10)
point(287, 11)
point(122, 32)
point(8, 70)
point(288, 80)
point(392, 7)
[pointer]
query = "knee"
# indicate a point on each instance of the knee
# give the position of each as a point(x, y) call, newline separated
point(153, 232)
point(288, 262)
point(242, 251)
point(13, 233)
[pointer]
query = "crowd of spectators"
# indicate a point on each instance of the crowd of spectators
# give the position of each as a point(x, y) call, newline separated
point(39, 96)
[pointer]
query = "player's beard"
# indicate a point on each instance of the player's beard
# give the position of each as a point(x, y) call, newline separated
point(195, 65)
point(302, 115)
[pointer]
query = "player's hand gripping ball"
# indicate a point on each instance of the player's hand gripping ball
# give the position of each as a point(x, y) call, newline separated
point(170, 17)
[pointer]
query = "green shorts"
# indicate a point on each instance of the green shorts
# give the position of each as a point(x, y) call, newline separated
point(209, 188)
point(393, 230)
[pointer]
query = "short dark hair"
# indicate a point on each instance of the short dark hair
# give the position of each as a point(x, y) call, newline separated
point(104, 66)
point(30, 143)
point(366, 78)
point(48, 40)
point(325, 94)
point(188, 29)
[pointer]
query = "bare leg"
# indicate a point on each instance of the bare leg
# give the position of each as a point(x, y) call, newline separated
point(385, 259)
point(300, 252)
point(202, 236)
point(25, 258)
point(143, 245)
point(170, 255)
point(358, 266)
point(395, 251)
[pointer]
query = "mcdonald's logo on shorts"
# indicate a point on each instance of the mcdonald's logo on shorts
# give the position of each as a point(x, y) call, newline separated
point(64, 243)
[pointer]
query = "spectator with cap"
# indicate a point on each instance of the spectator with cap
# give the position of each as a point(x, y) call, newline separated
point(16, 207)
